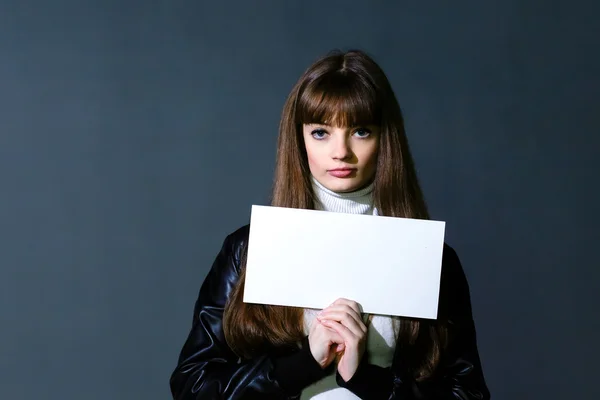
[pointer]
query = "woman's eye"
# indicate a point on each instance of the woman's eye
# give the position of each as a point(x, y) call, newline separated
point(318, 134)
point(362, 133)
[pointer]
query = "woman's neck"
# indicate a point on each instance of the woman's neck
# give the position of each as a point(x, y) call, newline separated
point(356, 202)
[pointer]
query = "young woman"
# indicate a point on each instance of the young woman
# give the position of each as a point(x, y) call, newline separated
point(342, 148)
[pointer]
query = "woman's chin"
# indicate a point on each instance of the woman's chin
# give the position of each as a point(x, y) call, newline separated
point(344, 185)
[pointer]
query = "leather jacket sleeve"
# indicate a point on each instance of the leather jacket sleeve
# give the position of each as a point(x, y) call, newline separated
point(208, 369)
point(459, 376)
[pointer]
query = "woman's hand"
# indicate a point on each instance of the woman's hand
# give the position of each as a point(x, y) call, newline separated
point(324, 343)
point(344, 317)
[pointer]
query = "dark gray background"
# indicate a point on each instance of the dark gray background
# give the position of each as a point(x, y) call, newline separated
point(134, 135)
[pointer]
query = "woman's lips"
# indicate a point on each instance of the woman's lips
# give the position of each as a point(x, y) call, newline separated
point(341, 172)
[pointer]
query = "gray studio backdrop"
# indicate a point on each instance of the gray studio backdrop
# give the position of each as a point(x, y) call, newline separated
point(134, 135)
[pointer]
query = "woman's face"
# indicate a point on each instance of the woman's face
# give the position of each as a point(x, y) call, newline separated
point(342, 159)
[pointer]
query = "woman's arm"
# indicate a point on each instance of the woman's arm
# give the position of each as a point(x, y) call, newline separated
point(208, 368)
point(459, 376)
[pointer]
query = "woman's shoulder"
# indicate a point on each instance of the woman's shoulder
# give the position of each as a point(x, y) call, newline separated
point(451, 265)
point(239, 237)
point(226, 267)
point(235, 244)
point(455, 302)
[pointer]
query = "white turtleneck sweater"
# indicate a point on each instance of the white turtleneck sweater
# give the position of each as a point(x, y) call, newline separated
point(381, 337)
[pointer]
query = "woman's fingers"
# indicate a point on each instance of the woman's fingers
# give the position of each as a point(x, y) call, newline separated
point(342, 308)
point(353, 353)
point(350, 339)
point(353, 307)
point(352, 304)
point(324, 342)
point(345, 315)
point(350, 322)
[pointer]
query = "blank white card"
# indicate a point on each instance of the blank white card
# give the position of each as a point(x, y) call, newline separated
point(309, 258)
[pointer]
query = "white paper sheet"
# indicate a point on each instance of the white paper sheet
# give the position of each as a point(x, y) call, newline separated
point(309, 258)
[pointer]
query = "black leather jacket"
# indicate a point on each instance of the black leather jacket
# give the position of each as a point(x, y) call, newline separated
point(208, 369)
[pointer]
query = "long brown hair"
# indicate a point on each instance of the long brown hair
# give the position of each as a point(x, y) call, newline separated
point(343, 89)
